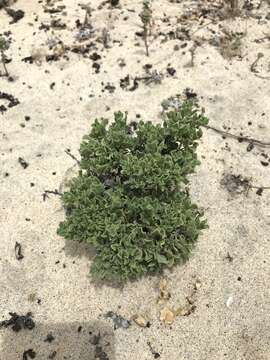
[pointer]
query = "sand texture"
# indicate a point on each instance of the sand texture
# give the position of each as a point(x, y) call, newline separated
point(63, 84)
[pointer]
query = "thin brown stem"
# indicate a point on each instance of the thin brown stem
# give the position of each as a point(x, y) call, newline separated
point(240, 138)
point(145, 37)
point(4, 64)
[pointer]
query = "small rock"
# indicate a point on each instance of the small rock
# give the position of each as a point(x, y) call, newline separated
point(229, 301)
point(118, 320)
point(141, 321)
point(167, 316)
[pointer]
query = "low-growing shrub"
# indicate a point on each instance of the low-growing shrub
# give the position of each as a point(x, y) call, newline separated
point(130, 200)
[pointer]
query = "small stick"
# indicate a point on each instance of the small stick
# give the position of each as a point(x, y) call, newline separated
point(255, 63)
point(201, 27)
point(241, 138)
point(4, 64)
point(72, 156)
point(18, 251)
point(54, 192)
point(146, 16)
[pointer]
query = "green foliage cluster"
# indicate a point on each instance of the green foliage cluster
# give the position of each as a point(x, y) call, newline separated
point(129, 200)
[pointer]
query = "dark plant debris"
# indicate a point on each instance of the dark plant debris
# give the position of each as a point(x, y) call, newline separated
point(118, 320)
point(49, 338)
point(10, 98)
point(18, 251)
point(16, 15)
point(29, 354)
point(52, 355)
point(155, 353)
point(23, 163)
point(235, 184)
point(99, 351)
point(53, 192)
point(19, 322)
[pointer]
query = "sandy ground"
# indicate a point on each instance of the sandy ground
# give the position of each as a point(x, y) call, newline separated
point(231, 260)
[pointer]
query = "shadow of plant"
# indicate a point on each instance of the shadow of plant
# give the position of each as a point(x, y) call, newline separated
point(74, 341)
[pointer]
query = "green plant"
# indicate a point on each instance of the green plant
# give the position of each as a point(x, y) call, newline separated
point(4, 45)
point(146, 18)
point(129, 200)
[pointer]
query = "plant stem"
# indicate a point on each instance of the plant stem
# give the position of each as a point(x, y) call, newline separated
point(234, 6)
point(146, 40)
point(4, 64)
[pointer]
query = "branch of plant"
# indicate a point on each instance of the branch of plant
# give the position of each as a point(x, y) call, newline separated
point(240, 138)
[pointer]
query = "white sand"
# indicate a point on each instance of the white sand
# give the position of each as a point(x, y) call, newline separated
point(239, 225)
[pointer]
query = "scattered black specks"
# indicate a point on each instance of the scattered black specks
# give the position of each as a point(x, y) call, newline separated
point(29, 354)
point(23, 163)
point(239, 278)
point(118, 320)
point(52, 85)
point(49, 338)
point(18, 251)
point(19, 322)
point(264, 163)
point(27, 118)
point(259, 191)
